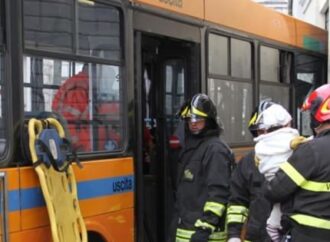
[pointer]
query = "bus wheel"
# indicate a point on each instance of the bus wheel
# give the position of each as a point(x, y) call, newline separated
point(95, 237)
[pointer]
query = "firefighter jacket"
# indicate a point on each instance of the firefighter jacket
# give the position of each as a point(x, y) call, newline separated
point(304, 182)
point(247, 207)
point(203, 186)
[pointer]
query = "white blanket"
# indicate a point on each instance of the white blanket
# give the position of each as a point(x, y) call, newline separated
point(273, 149)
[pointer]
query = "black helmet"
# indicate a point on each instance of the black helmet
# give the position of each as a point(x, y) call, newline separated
point(253, 123)
point(201, 106)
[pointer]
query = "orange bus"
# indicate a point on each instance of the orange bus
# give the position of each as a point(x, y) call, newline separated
point(115, 72)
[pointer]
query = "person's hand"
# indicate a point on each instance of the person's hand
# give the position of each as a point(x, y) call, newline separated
point(273, 232)
point(201, 235)
point(234, 240)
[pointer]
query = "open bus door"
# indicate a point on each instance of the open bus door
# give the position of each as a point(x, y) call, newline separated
point(168, 74)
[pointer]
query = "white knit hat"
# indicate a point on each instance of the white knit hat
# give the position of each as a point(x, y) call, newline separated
point(274, 116)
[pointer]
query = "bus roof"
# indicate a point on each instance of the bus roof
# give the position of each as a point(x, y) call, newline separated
point(249, 17)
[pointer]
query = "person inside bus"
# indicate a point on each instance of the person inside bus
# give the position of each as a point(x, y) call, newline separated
point(303, 180)
point(248, 209)
point(204, 168)
point(72, 102)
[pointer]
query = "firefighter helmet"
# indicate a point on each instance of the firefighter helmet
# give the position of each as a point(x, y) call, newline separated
point(318, 103)
point(253, 124)
point(268, 116)
point(201, 106)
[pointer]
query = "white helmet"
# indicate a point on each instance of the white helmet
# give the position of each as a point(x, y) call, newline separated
point(275, 116)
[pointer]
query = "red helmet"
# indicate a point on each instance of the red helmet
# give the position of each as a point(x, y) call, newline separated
point(318, 103)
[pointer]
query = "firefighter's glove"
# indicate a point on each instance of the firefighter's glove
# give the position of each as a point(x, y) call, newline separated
point(201, 235)
point(256, 160)
point(295, 142)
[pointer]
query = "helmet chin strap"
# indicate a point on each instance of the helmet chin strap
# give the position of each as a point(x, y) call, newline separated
point(314, 124)
point(321, 127)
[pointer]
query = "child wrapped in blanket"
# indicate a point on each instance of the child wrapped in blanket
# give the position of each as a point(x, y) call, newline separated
point(271, 150)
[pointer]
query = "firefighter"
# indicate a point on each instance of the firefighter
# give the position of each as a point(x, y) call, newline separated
point(203, 175)
point(302, 183)
point(248, 209)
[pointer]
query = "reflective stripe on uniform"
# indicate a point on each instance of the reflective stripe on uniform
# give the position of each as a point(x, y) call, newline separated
point(238, 209)
point(311, 221)
point(218, 236)
point(204, 225)
point(184, 235)
point(236, 218)
point(216, 208)
point(181, 240)
point(237, 214)
point(300, 181)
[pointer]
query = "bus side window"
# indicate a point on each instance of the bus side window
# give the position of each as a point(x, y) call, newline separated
point(92, 113)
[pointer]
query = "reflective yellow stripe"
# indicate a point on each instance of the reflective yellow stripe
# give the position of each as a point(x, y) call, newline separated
point(247, 241)
point(237, 209)
point(197, 112)
point(235, 218)
point(216, 208)
point(311, 221)
point(253, 119)
point(236, 214)
point(200, 224)
point(184, 112)
point(218, 237)
point(181, 240)
point(184, 233)
point(297, 178)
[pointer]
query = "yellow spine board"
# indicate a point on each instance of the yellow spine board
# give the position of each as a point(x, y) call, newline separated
point(60, 192)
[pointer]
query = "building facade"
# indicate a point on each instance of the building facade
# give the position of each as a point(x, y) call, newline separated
point(311, 11)
point(278, 5)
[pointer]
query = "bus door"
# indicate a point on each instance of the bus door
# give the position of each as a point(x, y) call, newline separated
point(168, 75)
point(309, 76)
